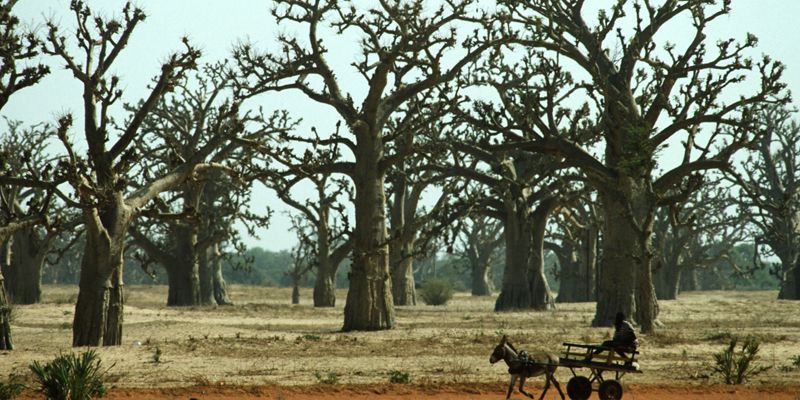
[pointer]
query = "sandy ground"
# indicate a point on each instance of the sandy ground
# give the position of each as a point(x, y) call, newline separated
point(264, 347)
point(443, 392)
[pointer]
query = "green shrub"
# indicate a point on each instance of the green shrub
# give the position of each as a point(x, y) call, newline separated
point(436, 292)
point(71, 377)
point(309, 337)
point(737, 367)
point(157, 355)
point(11, 389)
point(331, 378)
point(396, 376)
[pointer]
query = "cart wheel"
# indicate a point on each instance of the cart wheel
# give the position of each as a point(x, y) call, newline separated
point(579, 388)
point(610, 390)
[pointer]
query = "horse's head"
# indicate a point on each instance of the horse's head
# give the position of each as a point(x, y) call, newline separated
point(500, 350)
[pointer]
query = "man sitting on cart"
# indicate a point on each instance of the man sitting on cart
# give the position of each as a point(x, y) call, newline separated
point(624, 339)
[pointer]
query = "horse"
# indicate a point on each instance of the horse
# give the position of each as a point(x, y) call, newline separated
point(523, 366)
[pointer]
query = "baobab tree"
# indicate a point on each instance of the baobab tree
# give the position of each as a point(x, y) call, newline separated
point(303, 259)
point(521, 190)
point(645, 96)
point(17, 49)
point(479, 240)
point(700, 233)
point(404, 48)
point(100, 180)
point(331, 241)
point(575, 243)
point(24, 253)
point(770, 195)
point(416, 132)
point(192, 220)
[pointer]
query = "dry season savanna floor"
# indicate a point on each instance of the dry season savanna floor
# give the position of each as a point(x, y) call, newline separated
point(265, 347)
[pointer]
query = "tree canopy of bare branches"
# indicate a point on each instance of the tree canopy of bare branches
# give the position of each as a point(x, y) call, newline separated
point(403, 52)
point(640, 96)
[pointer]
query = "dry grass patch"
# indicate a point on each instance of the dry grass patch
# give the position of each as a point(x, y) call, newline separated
point(263, 339)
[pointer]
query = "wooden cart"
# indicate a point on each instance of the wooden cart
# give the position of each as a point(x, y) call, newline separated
point(599, 360)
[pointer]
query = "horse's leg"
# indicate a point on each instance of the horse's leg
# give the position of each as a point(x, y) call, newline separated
point(522, 387)
point(511, 386)
point(546, 385)
point(558, 386)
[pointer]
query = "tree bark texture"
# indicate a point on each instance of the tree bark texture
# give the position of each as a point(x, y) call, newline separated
point(515, 293)
point(24, 273)
point(5, 319)
point(115, 318)
point(105, 242)
point(541, 297)
point(402, 262)
point(220, 287)
point(206, 277)
point(787, 248)
point(625, 279)
point(667, 280)
point(183, 274)
point(689, 280)
point(295, 294)
point(325, 285)
point(578, 268)
point(401, 247)
point(369, 304)
point(481, 275)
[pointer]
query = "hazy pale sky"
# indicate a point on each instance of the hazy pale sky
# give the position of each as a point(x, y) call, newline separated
point(214, 26)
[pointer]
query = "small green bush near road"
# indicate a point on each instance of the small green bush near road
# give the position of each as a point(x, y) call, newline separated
point(396, 376)
point(436, 292)
point(737, 367)
point(331, 378)
point(71, 377)
point(11, 389)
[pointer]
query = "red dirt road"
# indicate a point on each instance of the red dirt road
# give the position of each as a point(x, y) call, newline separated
point(442, 392)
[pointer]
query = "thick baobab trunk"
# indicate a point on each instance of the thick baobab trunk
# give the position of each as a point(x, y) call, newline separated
point(115, 317)
point(324, 288)
point(589, 265)
point(24, 273)
point(402, 262)
point(516, 293)
point(212, 286)
point(183, 276)
point(206, 277)
point(667, 280)
point(5, 308)
point(568, 276)
point(541, 297)
point(789, 284)
point(481, 275)
point(220, 287)
point(689, 280)
point(790, 267)
point(5, 319)
point(369, 299)
point(578, 268)
point(401, 247)
point(105, 241)
point(325, 285)
point(625, 279)
point(184, 273)
point(91, 310)
point(183, 281)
